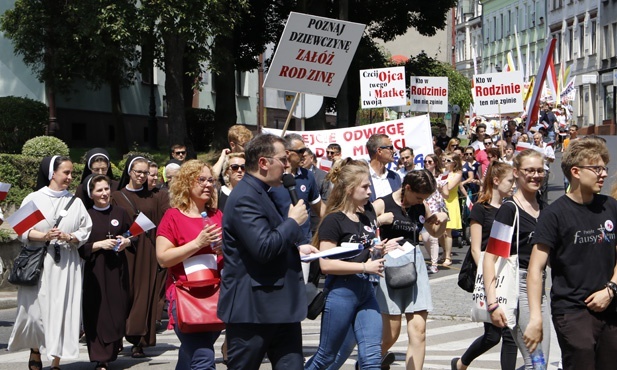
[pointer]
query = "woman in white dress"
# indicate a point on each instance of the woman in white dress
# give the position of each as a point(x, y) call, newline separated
point(48, 314)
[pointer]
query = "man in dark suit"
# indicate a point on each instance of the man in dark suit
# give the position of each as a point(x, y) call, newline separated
point(262, 298)
point(383, 180)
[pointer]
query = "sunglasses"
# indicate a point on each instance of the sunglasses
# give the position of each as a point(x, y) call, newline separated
point(236, 167)
point(488, 143)
point(448, 160)
point(389, 147)
point(298, 151)
point(180, 152)
point(332, 152)
point(468, 153)
point(428, 162)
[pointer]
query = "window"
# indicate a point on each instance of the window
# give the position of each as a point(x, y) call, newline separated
point(502, 26)
point(594, 25)
point(581, 39)
point(494, 29)
point(242, 83)
point(558, 47)
point(570, 43)
point(608, 102)
point(614, 39)
point(606, 47)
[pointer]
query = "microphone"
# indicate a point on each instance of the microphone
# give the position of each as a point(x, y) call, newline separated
point(289, 182)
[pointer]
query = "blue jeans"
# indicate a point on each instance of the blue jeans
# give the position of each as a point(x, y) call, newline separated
point(196, 349)
point(350, 303)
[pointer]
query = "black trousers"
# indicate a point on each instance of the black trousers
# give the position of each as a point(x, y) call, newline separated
point(247, 344)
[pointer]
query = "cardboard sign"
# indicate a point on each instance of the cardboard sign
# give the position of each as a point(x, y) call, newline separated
point(383, 87)
point(313, 54)
point(414, 132)
point(429, 94)
point(498, 93)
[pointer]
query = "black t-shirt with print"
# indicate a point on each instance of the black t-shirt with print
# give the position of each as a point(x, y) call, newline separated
point(338, 228)
point(406, 224)
point(581, 239)
point(506, 214)
point(484, 214)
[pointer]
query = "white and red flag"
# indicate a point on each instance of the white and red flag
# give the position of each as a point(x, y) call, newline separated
point(201, 267)
point(468, 202)
point(25, 217)
point(141, 225)
point(499, 242)
point(325, 165)
point(4, 190)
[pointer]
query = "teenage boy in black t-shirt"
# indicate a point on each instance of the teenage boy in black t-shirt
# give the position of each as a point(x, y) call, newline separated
point(577, 235)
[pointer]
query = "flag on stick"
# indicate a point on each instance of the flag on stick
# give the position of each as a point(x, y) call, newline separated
point(141, 225)
point(25, 218)
point(500, 239)
point(534, 106)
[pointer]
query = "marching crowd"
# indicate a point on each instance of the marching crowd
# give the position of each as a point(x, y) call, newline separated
point(250, 233)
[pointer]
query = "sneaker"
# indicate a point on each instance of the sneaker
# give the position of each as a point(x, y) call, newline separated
point(433, 269)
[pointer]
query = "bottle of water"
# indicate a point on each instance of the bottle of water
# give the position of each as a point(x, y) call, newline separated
point(537, 359)
point(375, 255)
point(207, 222)
point(127, 234)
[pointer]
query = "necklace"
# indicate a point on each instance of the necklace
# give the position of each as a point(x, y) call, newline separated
point(525, 206)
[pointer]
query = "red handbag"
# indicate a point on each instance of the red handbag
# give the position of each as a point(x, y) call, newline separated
point(196, 303)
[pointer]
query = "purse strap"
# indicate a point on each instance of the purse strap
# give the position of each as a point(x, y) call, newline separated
point(66, 209)
point(131, 203)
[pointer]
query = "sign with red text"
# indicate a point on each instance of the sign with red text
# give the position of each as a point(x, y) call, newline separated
point(414, 132)
point(498, 93)
point(428, 94)
point(313, 54)
point(383, 87)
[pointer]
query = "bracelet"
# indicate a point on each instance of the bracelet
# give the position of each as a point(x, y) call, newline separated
point(491, 310)
point(610, 292)
point(612, 286)
point(363, 268)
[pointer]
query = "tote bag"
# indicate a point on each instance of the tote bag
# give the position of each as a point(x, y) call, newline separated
point(507, 286)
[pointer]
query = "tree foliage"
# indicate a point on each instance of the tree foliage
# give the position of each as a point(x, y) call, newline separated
point(459, 87)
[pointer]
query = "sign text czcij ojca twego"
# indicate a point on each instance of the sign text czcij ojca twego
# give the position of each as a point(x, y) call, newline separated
point(383, 87)
point(428, 94)
point(495, 93)
point(313, 54)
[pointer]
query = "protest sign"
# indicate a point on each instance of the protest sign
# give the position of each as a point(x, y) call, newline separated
point(414, 132)
point(428, 94)
point(383, 87)
point(498, 93)
point(313, 54)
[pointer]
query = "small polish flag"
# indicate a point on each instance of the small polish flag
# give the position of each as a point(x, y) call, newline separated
point(521, 145)
point(444, 176)
point(478, 145)
point(325, 165)
point(25, 218)
point(468, 202)
point(201, 267)
point(4, 189)
point(500, 241)
point(141, 225)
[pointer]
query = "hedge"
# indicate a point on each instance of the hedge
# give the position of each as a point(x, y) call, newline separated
point(20, 120)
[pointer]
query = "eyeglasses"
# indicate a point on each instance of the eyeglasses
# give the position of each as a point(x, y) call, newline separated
point(488, 143)
point(534, 171)
point(428, 162)
point(332, 152)
point(389, 147)
point(141, 173)
point(180, 152)
point(207, 180)
point(236, 167)
point(283, 160)
point(448, 160)
point(468, 153)
point(298, 151)
point(595, 169)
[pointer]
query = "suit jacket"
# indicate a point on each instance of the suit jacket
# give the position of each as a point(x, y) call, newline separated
point(262, 279)
point(393, 179)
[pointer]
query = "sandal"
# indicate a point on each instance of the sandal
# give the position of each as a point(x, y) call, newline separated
point(101, 366)
point(447, 262)
point(34, 364)
point(54, 368)
point(137, 352)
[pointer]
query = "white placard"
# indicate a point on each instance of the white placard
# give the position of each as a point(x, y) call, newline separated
point(414, 132)
point(498, 93)
point(383, 87)
point(313, 54)
point(428, 94)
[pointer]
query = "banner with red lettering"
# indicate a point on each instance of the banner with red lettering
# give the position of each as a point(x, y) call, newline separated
point(383, 87)
point(313, 54)
point(413, 132)
point(498, 93)
point(428, 94)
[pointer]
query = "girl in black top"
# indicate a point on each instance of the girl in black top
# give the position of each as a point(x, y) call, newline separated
point(529, 173)
point(498, 184)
